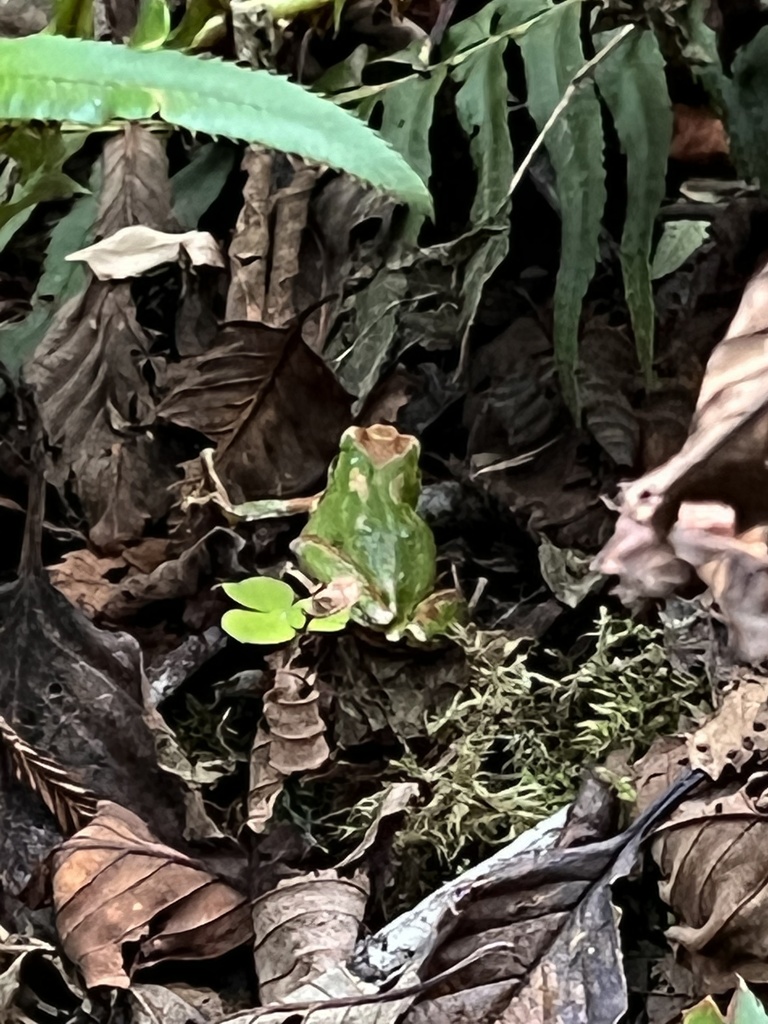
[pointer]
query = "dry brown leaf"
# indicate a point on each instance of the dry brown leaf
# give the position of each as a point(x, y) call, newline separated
point(657, 770)
point(736, 733)
point(124, 900)
point(273, 408)
point(88, 373)
point(303, 927)
point(135, 249)
point(291, 739)
point(81, 576)
point(265, 248)
point(711, 855)
point(396, 798)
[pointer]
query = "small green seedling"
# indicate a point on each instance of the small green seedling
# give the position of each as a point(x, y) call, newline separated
point(272, 614)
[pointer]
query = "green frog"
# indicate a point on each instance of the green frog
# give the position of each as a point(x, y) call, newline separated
point(366, 526)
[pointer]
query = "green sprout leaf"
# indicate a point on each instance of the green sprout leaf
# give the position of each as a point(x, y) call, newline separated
point(261, 593)
point(263, 627)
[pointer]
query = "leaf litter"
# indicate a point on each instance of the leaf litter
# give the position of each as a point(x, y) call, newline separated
point(430, 769)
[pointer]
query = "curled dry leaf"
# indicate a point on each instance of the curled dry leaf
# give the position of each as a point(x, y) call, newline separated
point(291, 739)
point(711, 855)
point(304, 927)
point(705, 508)
point(124, 900)
point(258, 385)
point(135, 249)
point(265, 248)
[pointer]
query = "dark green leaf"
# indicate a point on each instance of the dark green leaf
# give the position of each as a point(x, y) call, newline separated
point(553, 54)
point(633, 84)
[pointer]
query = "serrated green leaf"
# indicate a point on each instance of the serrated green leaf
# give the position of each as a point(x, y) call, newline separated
point(552, 55)
point(481, 107)
point(152, 26)
point(261, 593)
point(257, 627)
point(96, 82)
point(679, 240)
point(330, 623)
point(633, 84)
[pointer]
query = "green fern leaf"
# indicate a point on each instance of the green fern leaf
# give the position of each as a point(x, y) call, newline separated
point(633, 84)
point(481, 108)
point(408, 108)
point(552, 55)
point(53, 78)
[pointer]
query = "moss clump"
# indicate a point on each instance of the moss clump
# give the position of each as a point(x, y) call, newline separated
point(510, 750)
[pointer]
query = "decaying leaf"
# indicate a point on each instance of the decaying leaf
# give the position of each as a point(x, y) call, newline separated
point(529, 936)
point(737, 732)
point(124, 900)
point(265, 248)
point(271, 405)
point(82, 577)
point(303, 927)
point(95, 401)
point(715, 880)
point(135, 249)
point(291, 739)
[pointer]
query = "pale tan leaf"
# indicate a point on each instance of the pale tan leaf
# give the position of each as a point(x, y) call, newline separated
point(135, 249)
point(724, 462)
point(396, 798)
point(715, 877)
point(124, 900)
